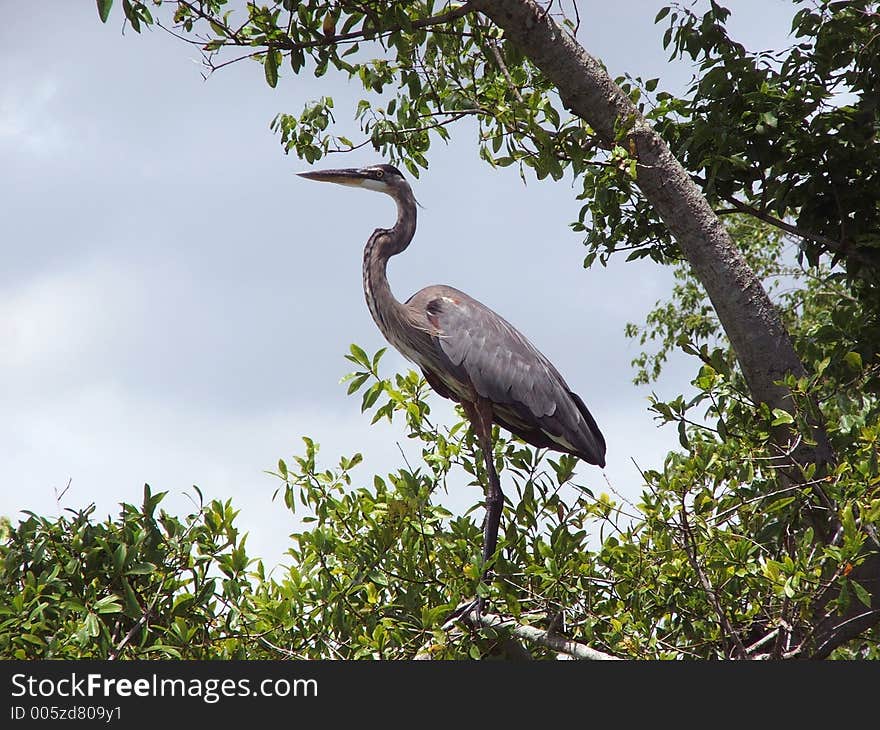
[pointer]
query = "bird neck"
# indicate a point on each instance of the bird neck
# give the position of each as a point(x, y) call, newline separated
point(404, 229)
point(382, 245)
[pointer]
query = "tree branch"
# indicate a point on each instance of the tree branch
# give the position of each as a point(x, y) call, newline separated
point(499, 59)
point(142, 621)
point(834, 628)
point(524, 632)
point(750, 320)
point(837, 247)
point(690, 548)
point(331, 40)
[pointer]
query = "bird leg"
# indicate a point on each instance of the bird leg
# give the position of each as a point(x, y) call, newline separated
point(494, 505)
point(480, 414)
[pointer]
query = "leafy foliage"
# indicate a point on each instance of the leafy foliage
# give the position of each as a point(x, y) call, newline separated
point(719, 557)
point(145, 585)
point(789, 133)
point(734, 549)
point(788, 136)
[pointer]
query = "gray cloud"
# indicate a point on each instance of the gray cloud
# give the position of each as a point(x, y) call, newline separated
point(175, 303)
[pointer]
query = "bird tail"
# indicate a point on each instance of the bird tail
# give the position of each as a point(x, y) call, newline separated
point(593, 440)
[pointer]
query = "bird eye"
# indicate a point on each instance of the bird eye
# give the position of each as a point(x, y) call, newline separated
point(380, 173)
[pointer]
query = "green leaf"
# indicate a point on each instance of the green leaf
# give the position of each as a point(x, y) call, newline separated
point(861, 593)
point(769, 118)
point(132, 606)
point(781, 416)
point(104, 9)
point(358, 356)
point(682, 435)
point(357, 381)
point(771, 570)
point(872, 514)
point(853, 360)
point(780, 504)
point(92, 625)
point(141, 569)
point(371, 395)
point(119, 556)
point(108, 604)
point(848, 520)
point(131, 15)
point(270, 67)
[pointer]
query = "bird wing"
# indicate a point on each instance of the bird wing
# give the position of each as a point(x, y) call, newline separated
point(502, 366)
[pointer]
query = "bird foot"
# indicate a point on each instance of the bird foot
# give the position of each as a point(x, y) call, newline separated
point(470, 612)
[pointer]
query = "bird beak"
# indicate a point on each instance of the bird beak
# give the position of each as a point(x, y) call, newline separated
point(349, 176)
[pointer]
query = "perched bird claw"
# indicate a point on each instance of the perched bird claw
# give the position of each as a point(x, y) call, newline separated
point(470, 611)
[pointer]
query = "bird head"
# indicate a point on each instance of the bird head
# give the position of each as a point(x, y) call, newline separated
point(381, 178)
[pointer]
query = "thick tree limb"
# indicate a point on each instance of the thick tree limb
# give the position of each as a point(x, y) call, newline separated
point(835, 629)
point(531, 634)
point(574, 649)
point(750, 320)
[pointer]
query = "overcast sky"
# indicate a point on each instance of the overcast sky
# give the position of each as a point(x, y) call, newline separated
point(175, 304)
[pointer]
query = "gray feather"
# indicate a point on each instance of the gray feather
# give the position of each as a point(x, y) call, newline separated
point(483, 350)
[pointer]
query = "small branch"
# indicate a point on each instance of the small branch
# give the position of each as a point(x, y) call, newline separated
point(60, 495)
point(279, 650)
point(145, 616)
point(453, 117)
point(784, 636)
point(691, 551)
point(332, 40)
point(544, 638)
point(496, 52)
point(128, 637)
point(837, 247)
point(752, 648)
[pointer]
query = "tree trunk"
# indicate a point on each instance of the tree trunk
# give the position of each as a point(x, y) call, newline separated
point(832, 629)
point(750, 320)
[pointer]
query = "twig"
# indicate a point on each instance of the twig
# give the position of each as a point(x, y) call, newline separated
point(499, 59)
point(145, 616)
point(279, 650)
point(837, 247)
point(763, 640)
point(60, 495)
point(364, 34)
point(691, 551)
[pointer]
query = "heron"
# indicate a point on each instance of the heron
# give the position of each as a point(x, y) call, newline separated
point(468, 353)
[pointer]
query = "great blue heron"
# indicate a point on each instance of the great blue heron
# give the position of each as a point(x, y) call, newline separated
point(467, 352)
